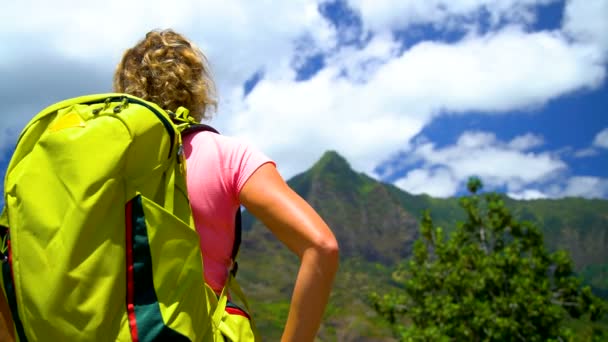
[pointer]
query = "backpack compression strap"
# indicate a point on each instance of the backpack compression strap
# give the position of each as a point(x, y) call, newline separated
point(238, 226)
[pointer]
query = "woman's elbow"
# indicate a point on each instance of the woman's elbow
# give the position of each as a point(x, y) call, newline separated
point(328, 249)
point(331, 248)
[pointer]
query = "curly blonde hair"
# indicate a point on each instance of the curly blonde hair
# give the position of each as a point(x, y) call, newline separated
point(169, 70)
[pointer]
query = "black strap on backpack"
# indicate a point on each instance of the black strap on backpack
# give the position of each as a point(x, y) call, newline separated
point(238, 227)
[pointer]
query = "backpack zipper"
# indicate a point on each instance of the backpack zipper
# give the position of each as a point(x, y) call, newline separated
point(168, 125)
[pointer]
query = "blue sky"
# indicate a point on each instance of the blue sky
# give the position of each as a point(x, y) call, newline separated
point(421, 94)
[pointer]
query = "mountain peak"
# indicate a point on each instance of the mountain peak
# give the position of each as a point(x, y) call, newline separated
point(332, 162)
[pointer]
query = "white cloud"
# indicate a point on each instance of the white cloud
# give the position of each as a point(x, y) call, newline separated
point(583, 186)
point(365, 121)
point(492, 160)
point(234, 34)
point(586, 152)
point(497, 163)
point(360, 64)
point(436, 182)
point(585, 21)
point(500, 164)
point(387, 96)
point(497, 72)
point(283, 117)
point(577, 186)
point(526, 142)
point(237, 37)
point(474, 140)
point(601, 139)
point(528, 194)
point(382, 15)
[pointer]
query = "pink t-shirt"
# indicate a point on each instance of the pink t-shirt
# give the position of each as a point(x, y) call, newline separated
point(217, 168)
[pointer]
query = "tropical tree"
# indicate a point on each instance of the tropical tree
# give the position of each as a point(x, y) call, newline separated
point(491, 280)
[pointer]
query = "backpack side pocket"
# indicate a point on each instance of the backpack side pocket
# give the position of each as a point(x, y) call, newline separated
point(236, 324)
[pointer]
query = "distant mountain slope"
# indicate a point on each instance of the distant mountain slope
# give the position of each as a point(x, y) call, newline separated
point(376, 225)
point(368, 220)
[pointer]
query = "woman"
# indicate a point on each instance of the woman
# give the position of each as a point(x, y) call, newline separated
point(224, 173)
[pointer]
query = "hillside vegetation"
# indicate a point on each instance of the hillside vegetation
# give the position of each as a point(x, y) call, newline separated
point(376, 225)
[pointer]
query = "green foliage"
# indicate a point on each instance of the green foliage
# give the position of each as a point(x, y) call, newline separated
point(492, 280)
point(474, 184)
point(270, 317)
point(596, 275)
point(376, 225)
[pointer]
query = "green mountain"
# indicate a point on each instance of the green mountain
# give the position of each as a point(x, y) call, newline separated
point(376, 225)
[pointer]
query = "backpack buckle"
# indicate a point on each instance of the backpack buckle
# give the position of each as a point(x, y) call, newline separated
point(234, 268)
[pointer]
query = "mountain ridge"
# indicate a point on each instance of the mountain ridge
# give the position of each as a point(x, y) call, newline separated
point(376, 225)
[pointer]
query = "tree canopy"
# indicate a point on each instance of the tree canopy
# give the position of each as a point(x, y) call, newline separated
point(491, 280)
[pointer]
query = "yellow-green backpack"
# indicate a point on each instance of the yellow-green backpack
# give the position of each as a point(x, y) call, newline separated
point(98, 240)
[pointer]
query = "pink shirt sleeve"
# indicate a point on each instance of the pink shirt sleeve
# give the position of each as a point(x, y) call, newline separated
point(217, 169)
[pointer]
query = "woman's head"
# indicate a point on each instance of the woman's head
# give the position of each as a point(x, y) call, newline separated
point(167, 69)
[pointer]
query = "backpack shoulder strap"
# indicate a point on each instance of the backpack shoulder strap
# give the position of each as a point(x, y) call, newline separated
point(199, 127)
point(238, 226)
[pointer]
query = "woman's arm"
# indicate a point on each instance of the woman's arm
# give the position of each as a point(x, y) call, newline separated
point(303, 231)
